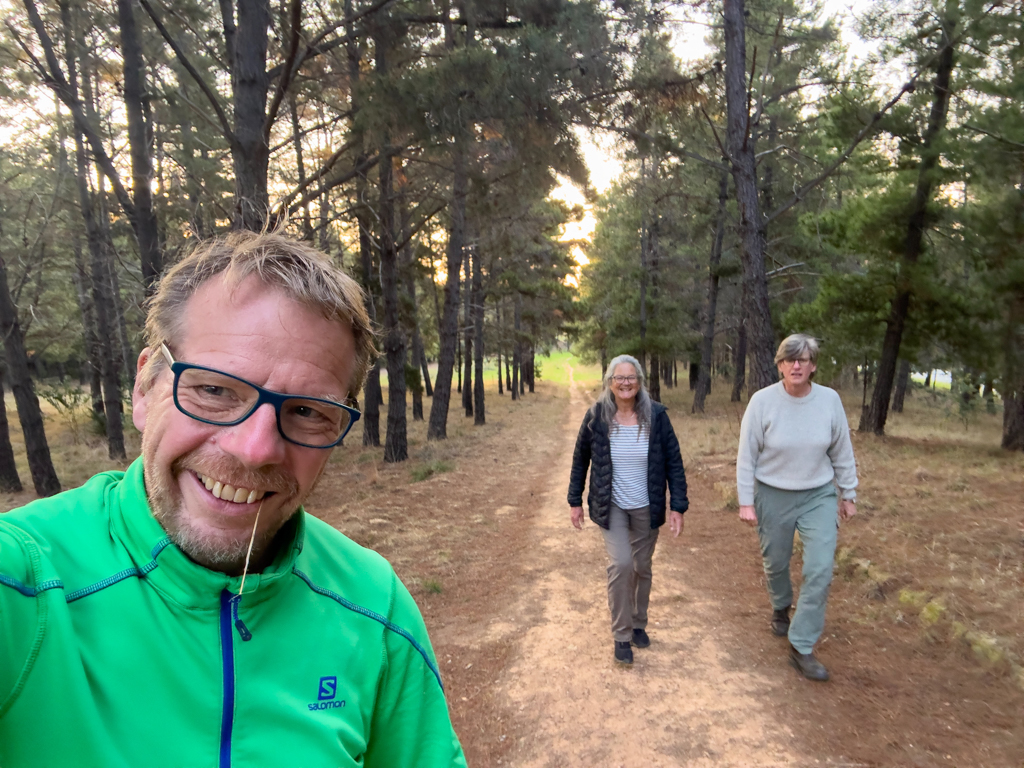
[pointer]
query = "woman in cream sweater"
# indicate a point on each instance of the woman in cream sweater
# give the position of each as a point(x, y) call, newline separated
point(794, 451)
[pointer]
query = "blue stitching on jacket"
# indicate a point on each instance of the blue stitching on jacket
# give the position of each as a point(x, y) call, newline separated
point(127, 573)
point(28, 591)
point(372, 615)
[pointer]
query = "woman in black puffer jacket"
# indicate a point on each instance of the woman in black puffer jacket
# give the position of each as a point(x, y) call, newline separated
point(627, 441)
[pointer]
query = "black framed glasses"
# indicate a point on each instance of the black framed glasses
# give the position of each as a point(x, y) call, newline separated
point(214, 397)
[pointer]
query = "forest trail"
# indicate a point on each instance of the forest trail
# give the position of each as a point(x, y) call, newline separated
point(680, 703)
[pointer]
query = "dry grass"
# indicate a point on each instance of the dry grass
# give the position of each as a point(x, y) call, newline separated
point(938, 544)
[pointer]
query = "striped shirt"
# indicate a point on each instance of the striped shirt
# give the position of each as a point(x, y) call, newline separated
point(629, 466)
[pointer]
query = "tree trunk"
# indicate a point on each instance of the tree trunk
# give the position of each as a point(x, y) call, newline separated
point(372, 395)
point(126, 354)
point(300, 166)
point(707, 346)
point(530, 381)
point(654, 379)
point(449, 328)
point(412, 316)
point(478, 320)
point(140, 147)
point(902, 380)
point(498, 330)
point(516, 348)
point(10, 482)
point(93, 354)
point(468, 330)
point(741, 145)
point(250, 152)
point(1013, 379)
point(396, 446)
point(44, 477)
point(877, 412)
point(97, 238)
point(740, 358)
point(426, 371)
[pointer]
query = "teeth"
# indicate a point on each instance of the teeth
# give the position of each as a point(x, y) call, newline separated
point(229, 492)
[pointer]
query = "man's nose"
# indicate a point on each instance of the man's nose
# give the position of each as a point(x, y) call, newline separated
point(256, 442)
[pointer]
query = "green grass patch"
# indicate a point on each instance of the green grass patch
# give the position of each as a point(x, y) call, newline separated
point(433, 468)
point(433, 586)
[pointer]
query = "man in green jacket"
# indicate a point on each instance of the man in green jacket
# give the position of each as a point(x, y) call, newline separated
point(188, 613)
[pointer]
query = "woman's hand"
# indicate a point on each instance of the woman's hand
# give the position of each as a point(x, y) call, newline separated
point(747, 514)
point(576, 515)
point(675, 522)
point(847, 509)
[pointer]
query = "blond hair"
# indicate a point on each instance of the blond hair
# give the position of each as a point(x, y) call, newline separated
point(302, 272)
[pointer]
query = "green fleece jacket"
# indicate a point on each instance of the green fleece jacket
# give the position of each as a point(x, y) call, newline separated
point(117, 651)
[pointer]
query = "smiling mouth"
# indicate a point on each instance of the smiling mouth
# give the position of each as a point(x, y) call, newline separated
point(227, 492)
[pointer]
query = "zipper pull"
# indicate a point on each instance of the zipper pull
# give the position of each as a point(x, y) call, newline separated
point(243, 631)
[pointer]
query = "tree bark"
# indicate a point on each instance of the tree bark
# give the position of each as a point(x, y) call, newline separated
point(741, 144)
point(516, 348)
point(139, 146)
point(497, 332)
point(875, 415)
point(412, 317)
point(479, 416)
point(468, 325)
point(44, 476)
point(396, 447)
point(250, 152)
point(707, 346)
point(740, 358)
point(902, 381)
point(10, 482)
point(425, 368)
point(1012, 390)
point(98, 239)
point(449, 328)
point(300, 166)
point(93, 354)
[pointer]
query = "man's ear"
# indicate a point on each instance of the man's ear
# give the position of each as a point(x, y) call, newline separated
point(140, 391)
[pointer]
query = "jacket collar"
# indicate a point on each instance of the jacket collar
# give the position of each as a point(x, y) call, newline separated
point(169, 570)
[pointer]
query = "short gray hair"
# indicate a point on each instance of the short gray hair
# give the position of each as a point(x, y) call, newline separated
point(795, 345)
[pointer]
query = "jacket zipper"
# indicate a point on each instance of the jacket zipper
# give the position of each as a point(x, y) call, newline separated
point(227, 653)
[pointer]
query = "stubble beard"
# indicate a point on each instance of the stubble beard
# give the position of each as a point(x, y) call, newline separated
point(227, 551)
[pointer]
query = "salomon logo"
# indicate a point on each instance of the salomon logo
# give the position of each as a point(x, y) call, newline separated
point(328, 690)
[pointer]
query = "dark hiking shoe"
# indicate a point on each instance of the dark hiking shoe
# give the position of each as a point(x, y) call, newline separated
point(780, 622)
point(623, 652)
point(640, 638)
point(807, 665)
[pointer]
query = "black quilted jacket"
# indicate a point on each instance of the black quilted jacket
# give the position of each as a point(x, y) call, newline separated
point(664, 467)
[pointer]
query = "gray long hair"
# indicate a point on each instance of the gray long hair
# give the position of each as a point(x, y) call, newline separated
point(641, 404)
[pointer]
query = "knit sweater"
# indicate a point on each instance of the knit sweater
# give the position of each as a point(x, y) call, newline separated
point(795, 443)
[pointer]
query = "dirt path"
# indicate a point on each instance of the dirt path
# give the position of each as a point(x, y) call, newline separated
point(681, 703)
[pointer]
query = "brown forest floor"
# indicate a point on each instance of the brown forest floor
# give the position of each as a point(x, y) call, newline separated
point(925, 630)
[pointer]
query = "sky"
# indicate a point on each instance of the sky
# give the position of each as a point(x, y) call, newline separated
point(599, 150)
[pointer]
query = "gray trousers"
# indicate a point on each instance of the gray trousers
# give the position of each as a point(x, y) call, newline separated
point(815, 515)
point(630, 544)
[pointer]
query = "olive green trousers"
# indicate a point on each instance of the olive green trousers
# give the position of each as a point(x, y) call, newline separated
point(815, 515)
